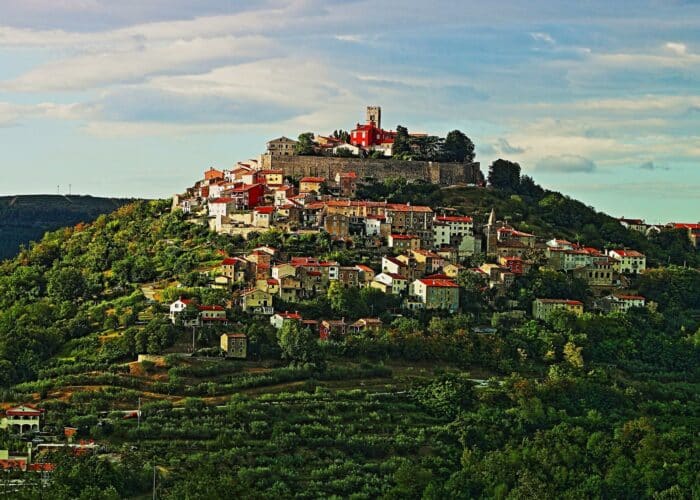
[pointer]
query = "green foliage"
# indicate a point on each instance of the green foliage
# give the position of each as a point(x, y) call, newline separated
point(305, 144)
point(504, 175)
point(299, 345)
point(401, 144)
point(459, 147)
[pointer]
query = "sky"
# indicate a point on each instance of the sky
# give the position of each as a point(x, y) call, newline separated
point(597, 99)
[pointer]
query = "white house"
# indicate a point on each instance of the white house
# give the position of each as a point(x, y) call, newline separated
point(393, 283)
point(621, 303)
point(451, 228)
point(221, 206)
point(628, 261)
point(177, 307)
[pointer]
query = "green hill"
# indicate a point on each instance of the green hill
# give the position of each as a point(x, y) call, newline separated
point(596, 406)
point(26, 218)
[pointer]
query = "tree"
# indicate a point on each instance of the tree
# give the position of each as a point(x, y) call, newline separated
point(66, 284)
point(401, 142)
point(504, 175)
point(459, 147)
point(299, 345)
point(305, 144)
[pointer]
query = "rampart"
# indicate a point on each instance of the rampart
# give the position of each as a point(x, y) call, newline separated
point(380, 169)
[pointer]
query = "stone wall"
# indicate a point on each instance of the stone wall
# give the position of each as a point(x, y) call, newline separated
point(380, 169)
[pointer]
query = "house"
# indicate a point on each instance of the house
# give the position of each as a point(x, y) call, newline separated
point(179, 306)
point(597, 273)
point(392, 283)
point(285, 269)
point(633, 224)
point(257, 301)
point(508, 234)
point(693, 232)
point(234, 269)
point(347, 183)
point(517, 265)
point(349, 276)
point(263, 216)
point(247, 196)
point(403, 242)
point(282, 195)
point(366, 325)
point(332, 329)
point(22, 419)
point(337, 225)
point(271, 285)
point(371, 134)
point(290, 288)
point(498, 275)
point(621, 303)
point(343, 149)
point(628, 261)
point(542, 308)
point(436, 293)
point(280, 318)
point(560, 244)
point(426, 261)
point(411, 219)
point(452, 270)
point(234, 345)
point(561, 259)
point(451, 229)
point(365, 274)
point(282, 146)
point(209, 315)
point(221, 206)
point(311, 184)
point(271, 178)
point(213, 174)
point(393, 265)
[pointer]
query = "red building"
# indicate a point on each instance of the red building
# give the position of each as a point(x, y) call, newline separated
point(371, 133)
point(247, 196)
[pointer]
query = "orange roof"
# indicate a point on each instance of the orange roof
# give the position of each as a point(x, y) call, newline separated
point(221, 200)
point(567, 302)
point(403, 237)
point(628, 253)
point(313, 179)
point(454, 218)
point(630, 297)
point(439, 282)
point(264, 210)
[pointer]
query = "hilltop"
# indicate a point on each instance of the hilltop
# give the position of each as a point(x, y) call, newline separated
point(26, 218)
point(487, 401)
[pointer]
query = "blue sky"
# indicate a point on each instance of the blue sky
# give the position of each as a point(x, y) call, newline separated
point(600, 100)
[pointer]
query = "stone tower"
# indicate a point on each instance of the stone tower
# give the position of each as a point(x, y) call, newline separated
point(491, 235)
point(374, 115)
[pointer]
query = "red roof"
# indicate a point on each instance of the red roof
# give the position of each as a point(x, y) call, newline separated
point(272, 281)
point(454, 218)
point(441, 283)
point(362, 267)
point(313, 179)
point(628, 253)
point(244, 188)
point(681, 225)
point(289, 315)
point(221, 200)
point(568, 302)
point(403, 237)
point(229, 261)
point(400, 207)
point(514, 232)
point(630, 297)
point(210, 308)
point(265, 210)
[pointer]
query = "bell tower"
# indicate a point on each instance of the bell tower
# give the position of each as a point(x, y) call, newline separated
point(374, 115)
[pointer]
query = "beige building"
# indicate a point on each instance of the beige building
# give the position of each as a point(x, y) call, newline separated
point(235, 345)
point(542, 308)
point(282, 146)
point(436, 293)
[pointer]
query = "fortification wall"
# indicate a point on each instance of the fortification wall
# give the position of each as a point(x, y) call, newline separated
point(324, 166)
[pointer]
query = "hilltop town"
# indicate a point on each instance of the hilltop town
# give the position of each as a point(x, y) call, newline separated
point(347, 300)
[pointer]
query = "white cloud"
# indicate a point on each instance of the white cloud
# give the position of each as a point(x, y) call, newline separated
point(679, 48)
point(543, 37)
point(566, 164)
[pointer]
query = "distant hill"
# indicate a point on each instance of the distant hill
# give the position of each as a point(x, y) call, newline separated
point(26, 218)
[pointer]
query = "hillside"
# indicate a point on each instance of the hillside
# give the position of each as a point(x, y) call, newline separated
point(26, 218)
point(428, 406)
